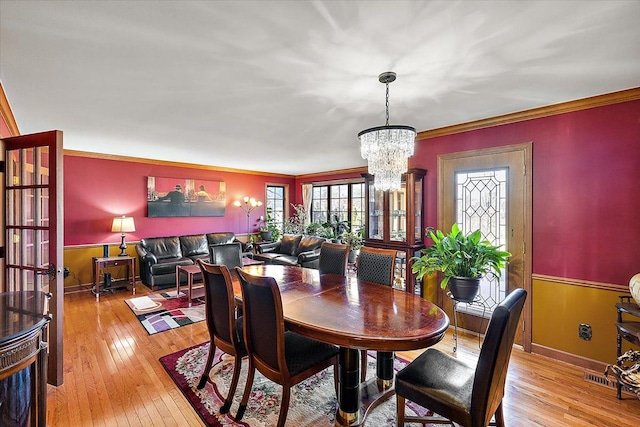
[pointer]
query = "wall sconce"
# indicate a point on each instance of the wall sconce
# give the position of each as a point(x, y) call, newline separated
point(248, 206)
point(123, 224)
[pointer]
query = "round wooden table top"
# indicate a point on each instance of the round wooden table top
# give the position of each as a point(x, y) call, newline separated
point(354, 314)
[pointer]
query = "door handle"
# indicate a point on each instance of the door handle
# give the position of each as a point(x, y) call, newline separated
point(50, 271)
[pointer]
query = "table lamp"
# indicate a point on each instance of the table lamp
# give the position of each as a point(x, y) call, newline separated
point(123, 224)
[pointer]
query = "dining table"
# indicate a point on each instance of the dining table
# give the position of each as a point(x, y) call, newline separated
point(355, 315)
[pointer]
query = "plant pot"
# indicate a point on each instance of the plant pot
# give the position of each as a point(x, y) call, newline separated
point(353, 254)
point(464, 289)
point(266, 236)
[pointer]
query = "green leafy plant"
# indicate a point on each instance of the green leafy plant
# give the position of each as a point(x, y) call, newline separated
point(352, 238)
point(457, 255)
point(271, 226)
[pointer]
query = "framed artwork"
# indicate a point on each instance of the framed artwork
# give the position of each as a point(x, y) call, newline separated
point(185, 197)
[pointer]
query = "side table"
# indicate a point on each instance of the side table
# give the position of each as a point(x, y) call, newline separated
point(101, 263)
point(627, 330)
point(194, 273)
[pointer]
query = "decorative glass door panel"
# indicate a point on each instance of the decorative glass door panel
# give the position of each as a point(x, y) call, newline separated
point(481, 204)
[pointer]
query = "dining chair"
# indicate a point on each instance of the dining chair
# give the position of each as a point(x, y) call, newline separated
point(227, 254)
point(333, 258)
point(225, 329)
point(460, 393)
point(377, 266)
point(282, 356)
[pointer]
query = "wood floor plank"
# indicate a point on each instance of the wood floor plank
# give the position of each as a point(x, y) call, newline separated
point(113, 376)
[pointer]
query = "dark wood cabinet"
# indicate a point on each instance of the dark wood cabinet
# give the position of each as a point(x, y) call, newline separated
point(23, 358)
point(394, 221)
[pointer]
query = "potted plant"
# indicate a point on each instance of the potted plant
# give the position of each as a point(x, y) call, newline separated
point(462, 260)
point(354, 240)
point(269, 232)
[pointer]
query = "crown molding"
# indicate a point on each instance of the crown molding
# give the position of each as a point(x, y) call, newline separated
point(357, 170)
point(120, 158)
point(7, 114)
point(536, 113)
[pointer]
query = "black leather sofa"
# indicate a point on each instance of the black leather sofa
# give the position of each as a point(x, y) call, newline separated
point(159, 256)
point(292, 249)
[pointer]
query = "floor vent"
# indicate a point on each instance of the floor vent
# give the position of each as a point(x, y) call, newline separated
point(599, 379)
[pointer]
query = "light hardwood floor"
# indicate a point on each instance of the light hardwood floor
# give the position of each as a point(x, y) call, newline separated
point(113, 377)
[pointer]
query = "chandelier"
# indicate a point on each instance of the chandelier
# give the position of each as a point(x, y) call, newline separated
point(387, 148)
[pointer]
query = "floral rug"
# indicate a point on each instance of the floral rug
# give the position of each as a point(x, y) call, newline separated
point(313, 401)
point(166, 310)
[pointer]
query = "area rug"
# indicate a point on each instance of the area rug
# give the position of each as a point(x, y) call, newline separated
point(166, 310)
point(313, 401)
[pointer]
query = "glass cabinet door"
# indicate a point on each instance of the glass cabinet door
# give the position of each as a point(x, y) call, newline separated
point(398, 214)
point(376, 213)
point(417, 209)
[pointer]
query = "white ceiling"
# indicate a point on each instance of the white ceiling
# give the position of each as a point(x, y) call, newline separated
point(285, 86)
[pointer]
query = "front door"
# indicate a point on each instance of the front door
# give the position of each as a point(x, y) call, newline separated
point(490, 190)
point(34, 228)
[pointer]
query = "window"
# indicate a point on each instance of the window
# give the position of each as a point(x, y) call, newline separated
point(346, 201)
point(276, 203)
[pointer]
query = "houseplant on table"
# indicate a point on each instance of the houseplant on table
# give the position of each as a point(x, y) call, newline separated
point(463, 261)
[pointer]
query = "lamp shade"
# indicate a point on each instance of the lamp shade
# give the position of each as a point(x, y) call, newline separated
point(123, 224)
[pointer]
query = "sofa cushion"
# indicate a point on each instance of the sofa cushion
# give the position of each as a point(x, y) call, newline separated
point(220, 238)
point(163, 247)
point(309, 243)
point(289, 244)
point(194, 245)
point(168, 266)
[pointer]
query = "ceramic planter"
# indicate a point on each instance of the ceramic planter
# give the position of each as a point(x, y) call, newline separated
point(464, 289)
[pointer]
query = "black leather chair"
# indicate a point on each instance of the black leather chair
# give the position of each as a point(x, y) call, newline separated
point(225, 329)
point(333, 258)
point(377, 266)
point(282, 356)
point(228, 254)
point(460, 393)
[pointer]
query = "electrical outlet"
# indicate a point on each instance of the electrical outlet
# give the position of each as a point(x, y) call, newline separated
point(584, 331)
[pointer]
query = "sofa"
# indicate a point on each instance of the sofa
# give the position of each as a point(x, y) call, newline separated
point(292, 249)
point(159, 256)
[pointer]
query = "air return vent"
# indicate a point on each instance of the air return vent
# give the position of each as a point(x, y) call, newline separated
point(599, 379)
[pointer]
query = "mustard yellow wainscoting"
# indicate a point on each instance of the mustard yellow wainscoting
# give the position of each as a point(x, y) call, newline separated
point(560, 305)
point(79, 261)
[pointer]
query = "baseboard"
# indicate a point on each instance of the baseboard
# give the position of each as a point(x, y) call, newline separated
point(583, 362)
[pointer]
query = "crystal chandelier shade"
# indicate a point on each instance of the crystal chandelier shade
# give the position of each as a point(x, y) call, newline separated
point(387, 148)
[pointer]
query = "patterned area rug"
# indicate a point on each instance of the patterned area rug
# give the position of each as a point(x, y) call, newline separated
point(166, 310)
point(313, 401)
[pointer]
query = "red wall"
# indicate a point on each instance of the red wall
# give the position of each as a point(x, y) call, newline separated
point(586, 180)
point(586, 175)
point(96, 190)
